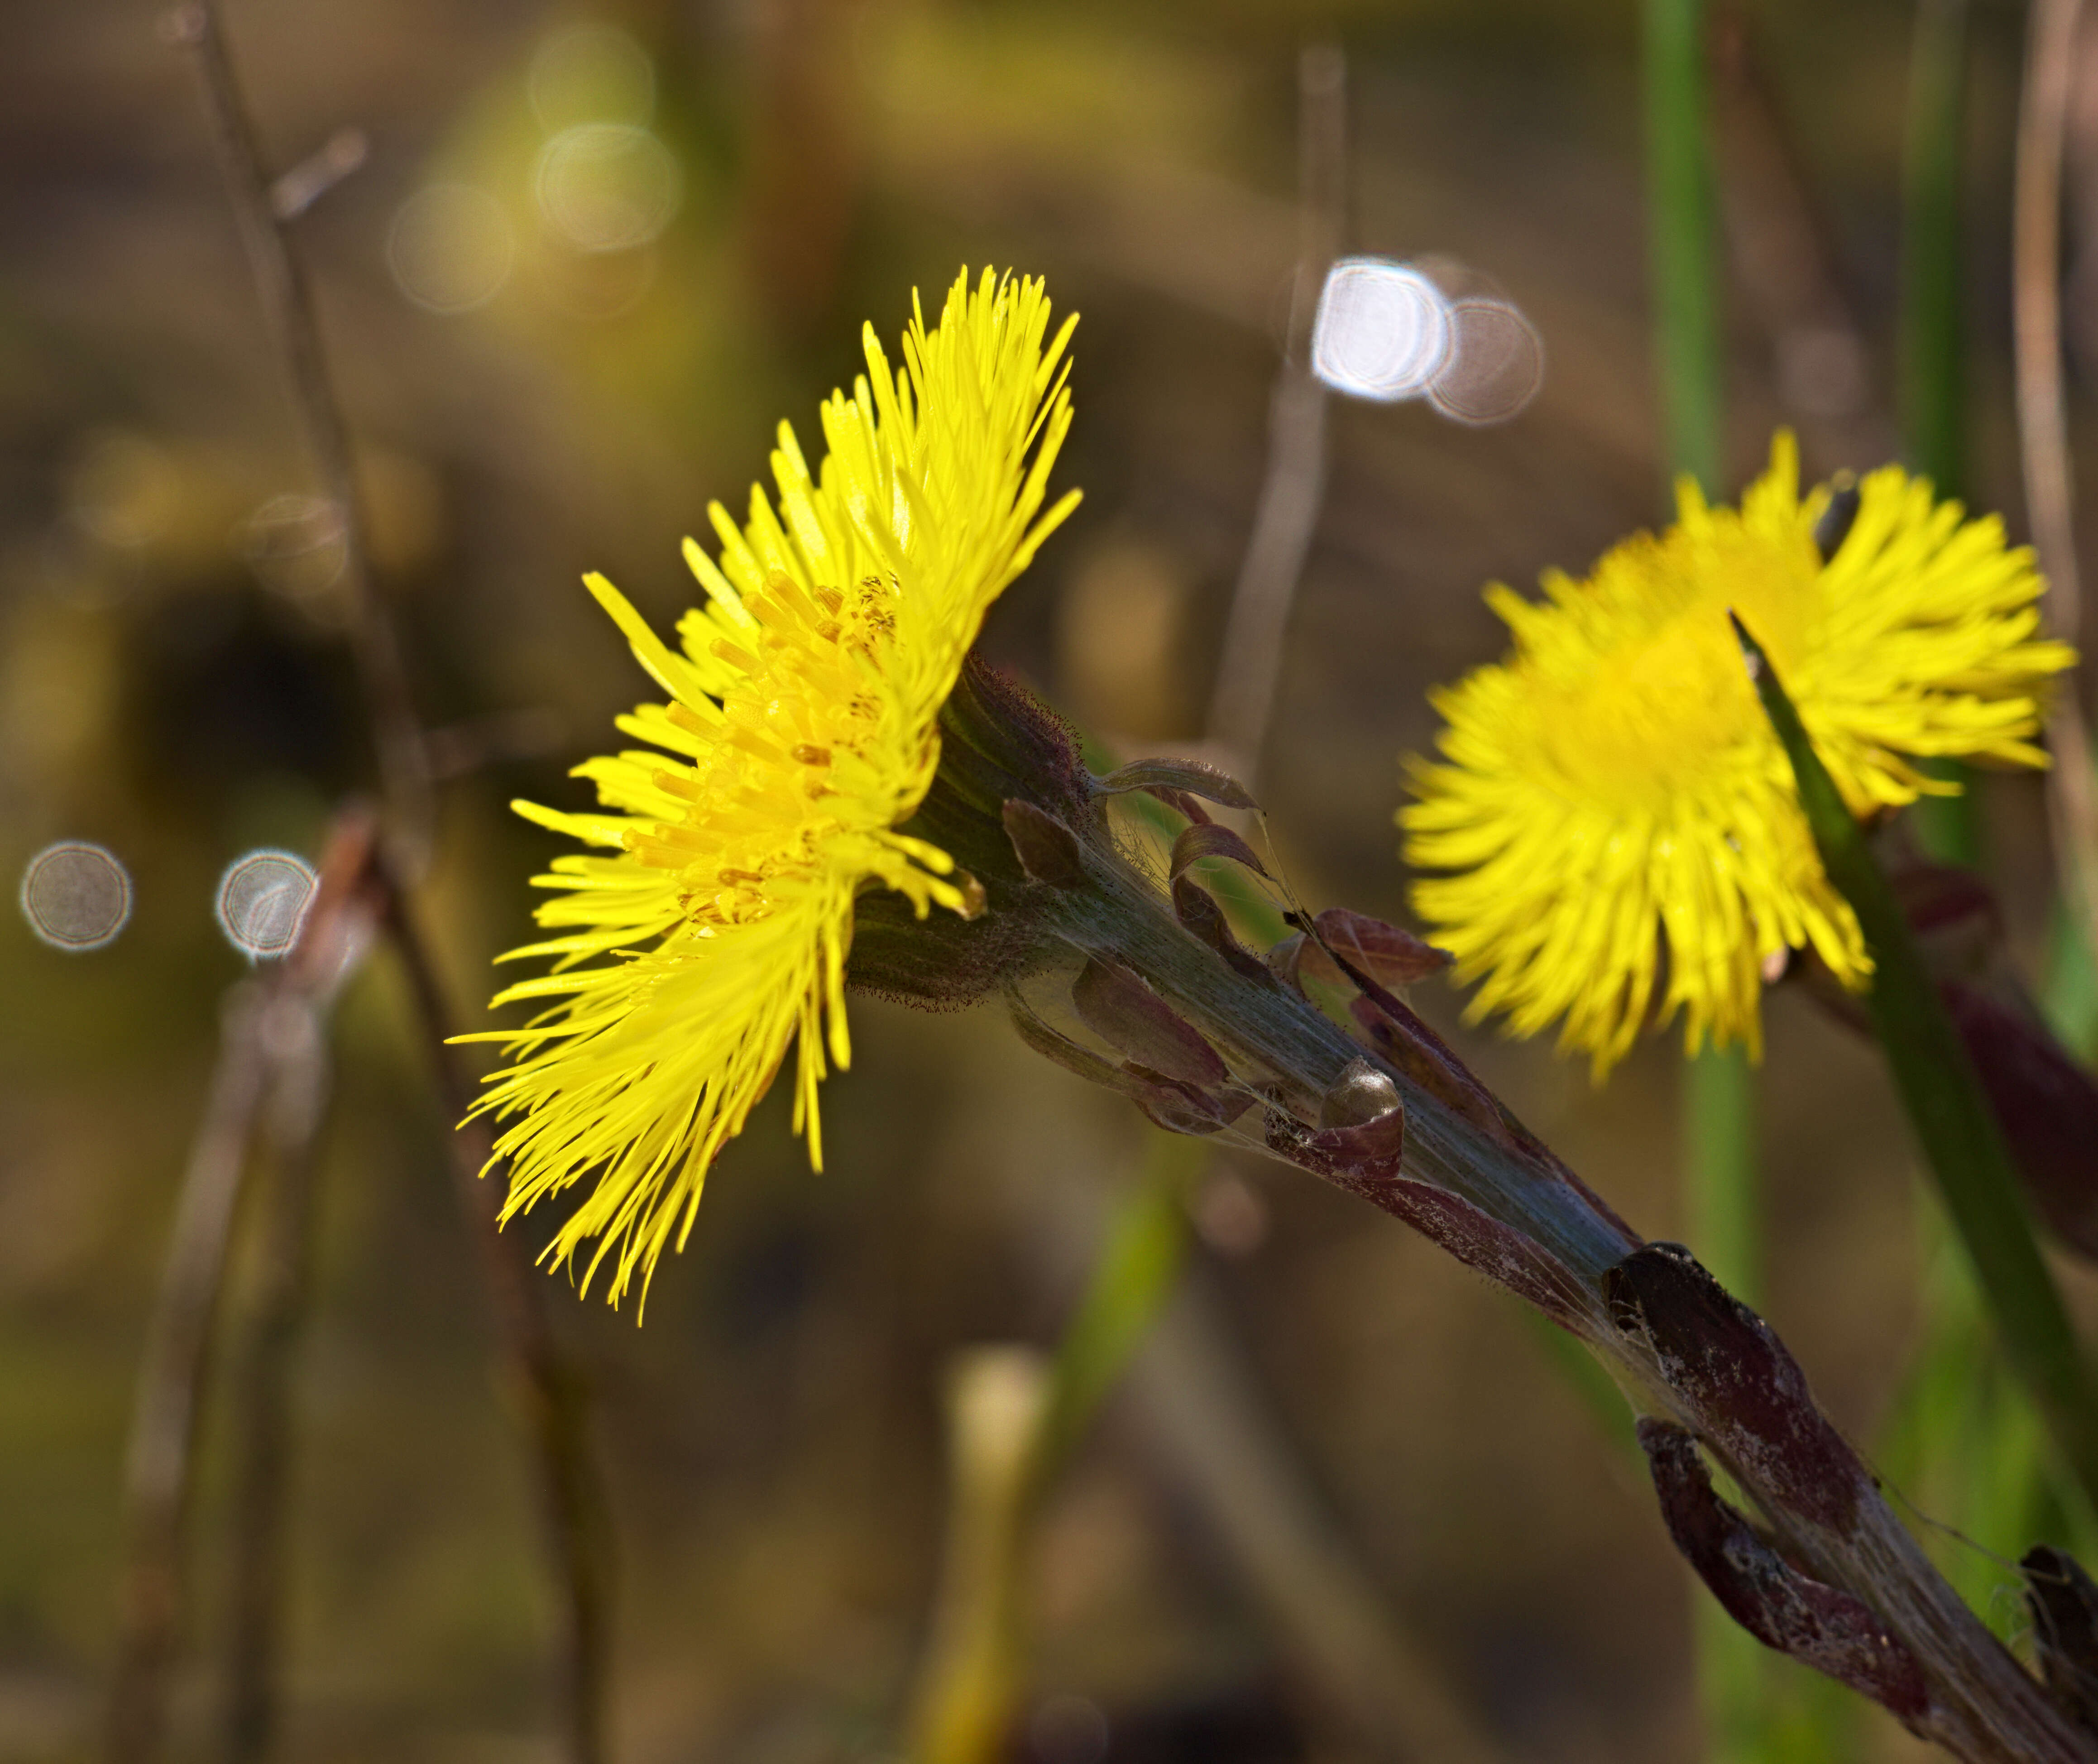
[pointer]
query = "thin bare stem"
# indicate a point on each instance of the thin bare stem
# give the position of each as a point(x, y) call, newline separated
point(533, 1361)
point(267, 1025)
point(1290, 494)
point(158, 1480)
point(287, 304)
point(260, 1397)
point(2043, 430)
point(541, 1380)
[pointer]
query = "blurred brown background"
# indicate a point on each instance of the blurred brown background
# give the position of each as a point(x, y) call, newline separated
point(593, 257)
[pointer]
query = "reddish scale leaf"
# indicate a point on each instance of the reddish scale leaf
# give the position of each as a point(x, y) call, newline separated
point(1180, 1107)
point(1181, 803)
point(1197, 910)
point(1117, 1006)
point(1207, 839)
point(1053, 1044)
point(1048, 850)
point(1190, 776)
point(1177, 1106)
point(1387, 954)
point(1417, 1052)
point(1819, 1626)
point(1363, 1154)
point(1365, 1160)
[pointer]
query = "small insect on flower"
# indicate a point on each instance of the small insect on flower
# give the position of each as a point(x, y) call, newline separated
point(801, 731)
point(1612, 815)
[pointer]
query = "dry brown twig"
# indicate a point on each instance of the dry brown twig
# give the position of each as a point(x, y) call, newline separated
point(268, 1052)
point(2043, 431)
point(1295, 480)
point(165, 1434)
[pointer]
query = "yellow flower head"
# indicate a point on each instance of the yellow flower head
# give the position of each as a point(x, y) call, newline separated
point(1612, 789)
point(800, 732)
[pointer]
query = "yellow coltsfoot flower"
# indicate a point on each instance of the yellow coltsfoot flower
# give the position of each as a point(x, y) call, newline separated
point(802, 731)
point(1617, 822)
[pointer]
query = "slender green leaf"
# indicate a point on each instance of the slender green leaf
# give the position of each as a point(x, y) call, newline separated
point(1947, 1106)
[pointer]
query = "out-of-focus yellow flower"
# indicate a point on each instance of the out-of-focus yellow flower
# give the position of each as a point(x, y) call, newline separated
point(1612, 791)
point(800, 732)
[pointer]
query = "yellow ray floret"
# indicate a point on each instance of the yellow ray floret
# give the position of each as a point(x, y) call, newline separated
point(1615, 819)
point(800, 732)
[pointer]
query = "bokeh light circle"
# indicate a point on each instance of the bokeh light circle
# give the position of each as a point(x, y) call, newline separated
point(451, 248)
point(262, 901)
point(75, 895)
point(1382, 331)
point(296, 544)
point(606, 186)
point(1495, 366)
point(591, 73)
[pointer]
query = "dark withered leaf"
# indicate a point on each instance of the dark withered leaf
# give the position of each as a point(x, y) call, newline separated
point(1732, 1373)
point(2045, 1103)
point(1784, 1607)
point(2064, 1603)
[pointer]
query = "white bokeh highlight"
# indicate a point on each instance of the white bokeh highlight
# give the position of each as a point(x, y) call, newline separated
point(74, 896)
point(262, 901)
point(1381, 332)
point(1387, 331)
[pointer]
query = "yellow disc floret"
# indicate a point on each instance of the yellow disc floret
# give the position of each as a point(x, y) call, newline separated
point(1616, 819)
point(802, 731)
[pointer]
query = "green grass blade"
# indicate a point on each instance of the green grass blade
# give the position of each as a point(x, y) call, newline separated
point(1945, 1104)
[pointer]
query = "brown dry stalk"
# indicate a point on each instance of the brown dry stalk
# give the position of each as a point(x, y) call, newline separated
point(1295, 481)
point(268, 1043)
point(545, 1386)
point(2043, 431)
point(534, 1365)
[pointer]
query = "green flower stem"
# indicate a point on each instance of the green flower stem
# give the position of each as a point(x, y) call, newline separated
point(1681, 236)
point(1931, 373)
point(1719, 1146)
point(1946, 1105)
point(1931, 388)
point(1719, 1157)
